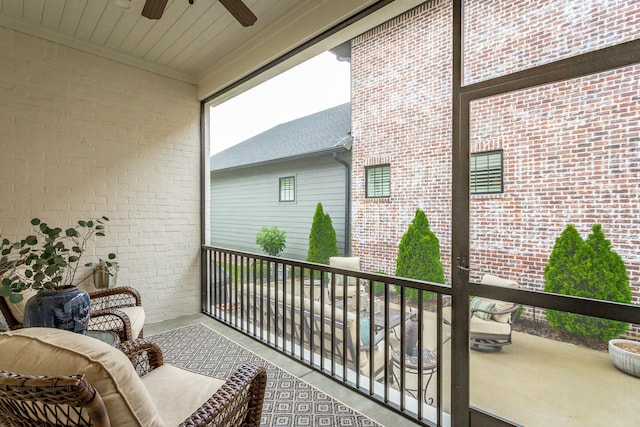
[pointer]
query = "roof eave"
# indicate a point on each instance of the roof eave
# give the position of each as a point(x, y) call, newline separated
point(342, 146)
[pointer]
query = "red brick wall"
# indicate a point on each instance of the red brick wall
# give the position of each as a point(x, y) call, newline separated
point(401, 115)
point(571, 149)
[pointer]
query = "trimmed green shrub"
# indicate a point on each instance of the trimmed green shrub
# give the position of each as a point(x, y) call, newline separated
point(589, 269)
point(322, 238)
point(271, 240)
point(419, 255)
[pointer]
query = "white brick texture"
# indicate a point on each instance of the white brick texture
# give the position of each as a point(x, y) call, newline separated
point(83, 136)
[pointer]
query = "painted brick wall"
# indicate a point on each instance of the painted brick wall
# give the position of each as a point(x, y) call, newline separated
point(401, 112)
point(83, 136)
point(571, 150)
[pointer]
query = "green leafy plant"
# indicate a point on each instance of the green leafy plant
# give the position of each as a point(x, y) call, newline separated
point(419, 255)
point(323, 243)
point(590, 269)
point(271, 240)
point(48, 259)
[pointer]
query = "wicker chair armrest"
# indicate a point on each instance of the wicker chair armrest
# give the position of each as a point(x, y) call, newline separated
point(111, 319)
point(238, 402)
point(40, 400)
point(145, 356)
point(12, 322)
point(124, 296)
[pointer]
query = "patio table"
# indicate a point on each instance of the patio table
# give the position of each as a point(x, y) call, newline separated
point(395, 317)
point(411, 366)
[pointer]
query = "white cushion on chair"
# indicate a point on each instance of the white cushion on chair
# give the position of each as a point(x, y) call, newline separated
point(178, 393)
point(52, 352)
point(136, 317)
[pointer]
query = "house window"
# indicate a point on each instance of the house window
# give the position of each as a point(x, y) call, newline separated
point(378, 181)
point(486, 172)
point(288, 189)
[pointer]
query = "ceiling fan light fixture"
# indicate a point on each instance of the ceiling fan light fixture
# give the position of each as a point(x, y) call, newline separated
point(124, 4)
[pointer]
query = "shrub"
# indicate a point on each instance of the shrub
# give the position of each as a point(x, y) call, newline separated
point(589, 269)
point(322, 238)
point(419, 255)
point(271, 240)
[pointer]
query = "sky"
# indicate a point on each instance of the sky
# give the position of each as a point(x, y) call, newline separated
point(319, 83)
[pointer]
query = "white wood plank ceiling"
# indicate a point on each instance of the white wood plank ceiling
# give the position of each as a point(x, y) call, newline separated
point(187, 43)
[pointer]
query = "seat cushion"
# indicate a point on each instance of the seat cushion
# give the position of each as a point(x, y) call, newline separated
point(177, 393)
point(479, 326)
point(49, 351)
point(136, 317)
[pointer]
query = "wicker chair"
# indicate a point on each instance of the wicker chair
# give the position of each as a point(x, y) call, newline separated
point(163, 394)
point(117, 309)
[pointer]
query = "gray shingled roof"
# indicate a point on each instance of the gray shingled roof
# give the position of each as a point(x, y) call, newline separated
point(323, 132)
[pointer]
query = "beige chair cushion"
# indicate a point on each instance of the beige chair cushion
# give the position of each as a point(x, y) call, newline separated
point(49, 351)
point(477, 325)
point(178, 393)
point(349, 262)
point(17, 309)
point(489, 279)
point(136, 317)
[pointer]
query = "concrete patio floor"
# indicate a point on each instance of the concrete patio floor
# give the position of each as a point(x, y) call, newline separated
point(533, 382)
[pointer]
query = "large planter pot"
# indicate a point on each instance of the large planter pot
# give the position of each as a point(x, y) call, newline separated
point(624, 359)
point(67, 308)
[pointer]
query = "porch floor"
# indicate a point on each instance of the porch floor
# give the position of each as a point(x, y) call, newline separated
point(534, 382)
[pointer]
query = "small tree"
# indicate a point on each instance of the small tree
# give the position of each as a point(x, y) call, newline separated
point(322, 238)
point(271, 240)
point(589, 269)
point(419, 255)
point(561, 272)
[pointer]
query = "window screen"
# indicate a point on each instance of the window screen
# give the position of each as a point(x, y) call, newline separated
point(288, 189)
point(378, 181)
point(486, 172)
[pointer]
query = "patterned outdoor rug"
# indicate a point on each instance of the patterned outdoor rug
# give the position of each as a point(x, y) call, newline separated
point(288, 400)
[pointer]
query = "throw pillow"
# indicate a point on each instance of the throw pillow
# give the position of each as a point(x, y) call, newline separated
point(365, 327)
point(482, 304)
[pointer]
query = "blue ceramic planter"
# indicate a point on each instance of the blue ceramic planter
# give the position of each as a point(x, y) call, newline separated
point(66, 308)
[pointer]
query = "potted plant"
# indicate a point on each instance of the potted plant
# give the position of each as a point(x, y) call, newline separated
point(105, 272)
point(47, 261)
point(625, 355)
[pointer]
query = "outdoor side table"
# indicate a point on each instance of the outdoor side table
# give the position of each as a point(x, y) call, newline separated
point(108, 337)
point(429, 367)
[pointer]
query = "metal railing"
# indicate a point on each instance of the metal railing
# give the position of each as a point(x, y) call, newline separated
point(357, 334)
point(354, 334)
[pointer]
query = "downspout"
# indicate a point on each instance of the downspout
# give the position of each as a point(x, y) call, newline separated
point(347, 204)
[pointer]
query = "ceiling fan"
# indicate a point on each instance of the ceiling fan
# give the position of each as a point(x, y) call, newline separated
point(153, 9)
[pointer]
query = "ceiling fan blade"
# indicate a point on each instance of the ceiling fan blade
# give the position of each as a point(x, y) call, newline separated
point(240, 11)
point(153, 9)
